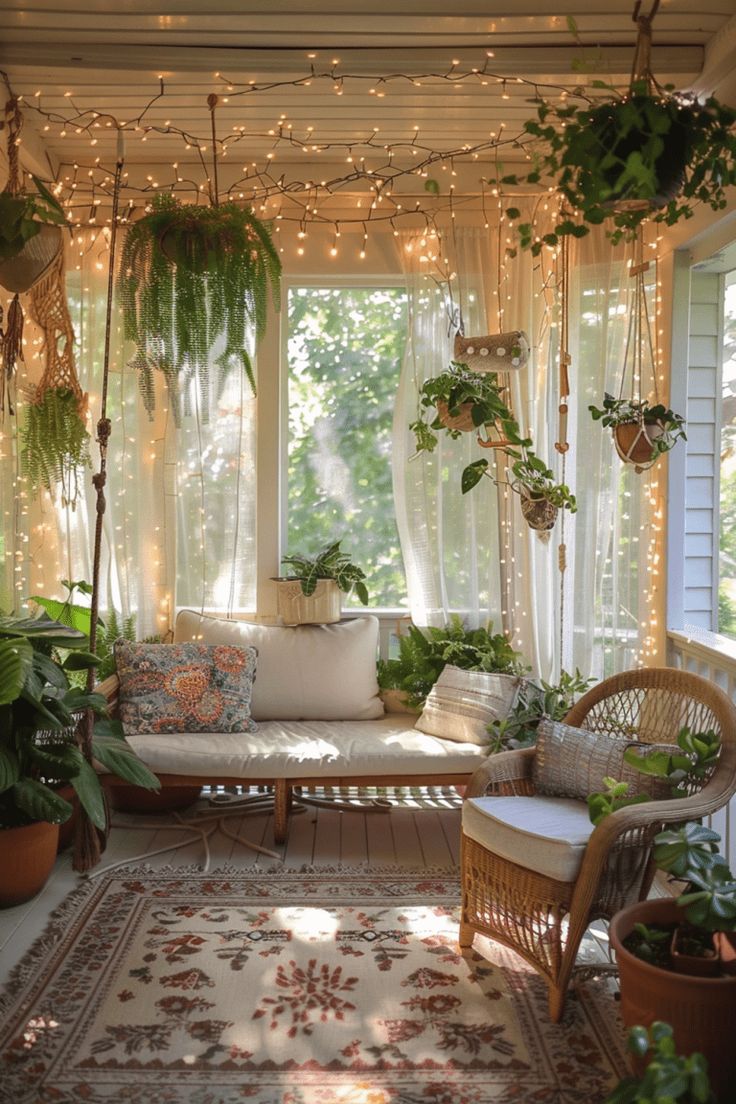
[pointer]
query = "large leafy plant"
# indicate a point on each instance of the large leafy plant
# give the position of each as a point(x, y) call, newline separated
point(22, 216)
point(652, 154)
point(193, 282)
point(39, 711)
point(330, 563)
point(424, 653)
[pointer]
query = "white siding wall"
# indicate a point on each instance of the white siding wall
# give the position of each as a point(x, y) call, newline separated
point(702, 465)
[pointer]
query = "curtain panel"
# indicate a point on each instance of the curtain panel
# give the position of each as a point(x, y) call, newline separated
point(473, 554)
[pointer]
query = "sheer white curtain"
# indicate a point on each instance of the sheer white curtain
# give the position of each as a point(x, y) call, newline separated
point(180, 522)
point(475, 554)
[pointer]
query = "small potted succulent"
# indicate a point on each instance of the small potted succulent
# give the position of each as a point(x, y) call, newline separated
point(642, 431)
point(667, 1075)
point(458, 401)
point(311, 593)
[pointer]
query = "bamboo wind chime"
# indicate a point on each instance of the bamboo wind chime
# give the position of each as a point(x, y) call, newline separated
point(88, 845)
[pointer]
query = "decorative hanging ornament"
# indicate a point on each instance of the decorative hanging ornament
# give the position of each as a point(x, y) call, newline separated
point(504, 352)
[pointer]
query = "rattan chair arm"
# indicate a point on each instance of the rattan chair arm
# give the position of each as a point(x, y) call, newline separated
point(110, 688)
point(507, 767)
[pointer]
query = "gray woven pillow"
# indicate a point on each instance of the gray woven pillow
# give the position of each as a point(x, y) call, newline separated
point(572, 762)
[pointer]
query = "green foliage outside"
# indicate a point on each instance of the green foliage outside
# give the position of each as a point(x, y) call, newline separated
point(346, 346)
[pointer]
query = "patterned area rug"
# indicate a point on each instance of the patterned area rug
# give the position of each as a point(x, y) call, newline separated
point(337, 987)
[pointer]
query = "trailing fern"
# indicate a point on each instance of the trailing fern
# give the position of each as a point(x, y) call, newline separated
point(192, 278)
point(55, 443)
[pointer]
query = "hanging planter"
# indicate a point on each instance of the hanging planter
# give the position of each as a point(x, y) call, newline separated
point(194, 281)
point(641, 432)
point(462, 401)
point(652, 154)
point(538, 512)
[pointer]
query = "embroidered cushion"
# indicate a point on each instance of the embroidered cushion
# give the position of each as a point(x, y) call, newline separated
point(307, 673)
point(461, 704)
point(185, 687)
point(572, 762)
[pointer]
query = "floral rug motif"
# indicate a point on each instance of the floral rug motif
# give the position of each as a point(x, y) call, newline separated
point(337, 987)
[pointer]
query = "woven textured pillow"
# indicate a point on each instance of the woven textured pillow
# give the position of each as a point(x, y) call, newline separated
point(572, 762)
point(185, 687)
point(461, 704)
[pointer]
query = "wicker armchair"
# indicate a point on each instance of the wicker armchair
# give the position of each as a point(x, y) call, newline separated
point(527, 910)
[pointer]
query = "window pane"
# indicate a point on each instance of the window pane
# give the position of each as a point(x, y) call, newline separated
point(345, 351)
point(727, 584)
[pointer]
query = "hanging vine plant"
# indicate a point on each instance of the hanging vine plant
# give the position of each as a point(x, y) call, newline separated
point(193, 282)
point(651, 154)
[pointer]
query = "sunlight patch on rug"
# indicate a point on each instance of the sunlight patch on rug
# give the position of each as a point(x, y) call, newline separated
point(338, 987)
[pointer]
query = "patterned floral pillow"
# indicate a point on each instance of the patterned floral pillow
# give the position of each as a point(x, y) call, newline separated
point(185, 687)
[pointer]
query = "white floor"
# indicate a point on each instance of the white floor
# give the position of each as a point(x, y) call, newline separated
point(418, 831)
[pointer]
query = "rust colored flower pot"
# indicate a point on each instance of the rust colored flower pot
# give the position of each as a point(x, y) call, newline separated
point(27, 857)
point(702, 1011)
point(395, 702)
point(634, 441)
point(462, 421)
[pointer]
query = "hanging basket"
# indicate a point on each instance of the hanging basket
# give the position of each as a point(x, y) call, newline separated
point(18, 274)
point(539, 513)
point(504, 352)
point(635, 443)
point(462, 421)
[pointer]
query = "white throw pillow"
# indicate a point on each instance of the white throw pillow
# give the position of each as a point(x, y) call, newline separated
point(307, 673)
point(462, 703)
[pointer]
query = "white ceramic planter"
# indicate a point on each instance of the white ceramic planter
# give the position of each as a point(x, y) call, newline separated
point(323, 607)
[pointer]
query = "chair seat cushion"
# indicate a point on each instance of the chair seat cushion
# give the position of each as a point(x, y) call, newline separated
point(545, 834)
point(308, 749)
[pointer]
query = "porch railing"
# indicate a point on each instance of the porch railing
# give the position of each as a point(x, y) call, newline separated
point(713, 657)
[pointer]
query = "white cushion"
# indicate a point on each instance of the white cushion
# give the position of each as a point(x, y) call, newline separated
point(545, 834)
point(307, 749)
point(461, 704)
point(310, 673)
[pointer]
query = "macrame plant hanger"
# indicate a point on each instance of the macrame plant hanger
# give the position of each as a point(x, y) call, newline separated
point(638, 353)
point(562, 445)
point(88, 845)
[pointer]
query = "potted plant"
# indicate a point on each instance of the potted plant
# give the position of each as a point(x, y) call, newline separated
point(311, 593)
point(541, 495)
point(193, 281)
point(651, 154)
point(30, 236)
point(39, 712)
point(696, 995)
point(537, 699)
point(423, 654)
point(458, 401)
point(667, 1075)
point(642, 432)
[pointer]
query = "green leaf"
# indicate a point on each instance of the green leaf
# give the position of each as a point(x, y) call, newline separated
point(472, 475)
point(432, 186)
point(120, 759)
point(39, 802)
point(16, 661)
point(9, 768)
point(80, 661)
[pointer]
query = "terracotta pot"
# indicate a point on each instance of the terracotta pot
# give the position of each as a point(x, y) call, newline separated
point(634, 441)
point(395, 702)
point(133, 799)
point(323, 607)
point(20, 273)
point(27, 857)
point(702, 1011)
point(67, 829)
point(462, 421)
point(538, 513)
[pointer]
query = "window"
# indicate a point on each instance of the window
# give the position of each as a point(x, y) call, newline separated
point(727, 531)
point(345, 348)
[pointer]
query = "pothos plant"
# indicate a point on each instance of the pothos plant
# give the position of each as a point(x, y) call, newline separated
point(670, 427)
point(193, 282)
point(651, 153)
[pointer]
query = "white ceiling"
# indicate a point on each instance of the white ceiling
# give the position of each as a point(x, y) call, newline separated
point(110, 57)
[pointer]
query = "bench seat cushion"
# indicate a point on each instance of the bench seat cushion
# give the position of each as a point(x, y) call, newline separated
point(546, 834)
point(305, 749)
